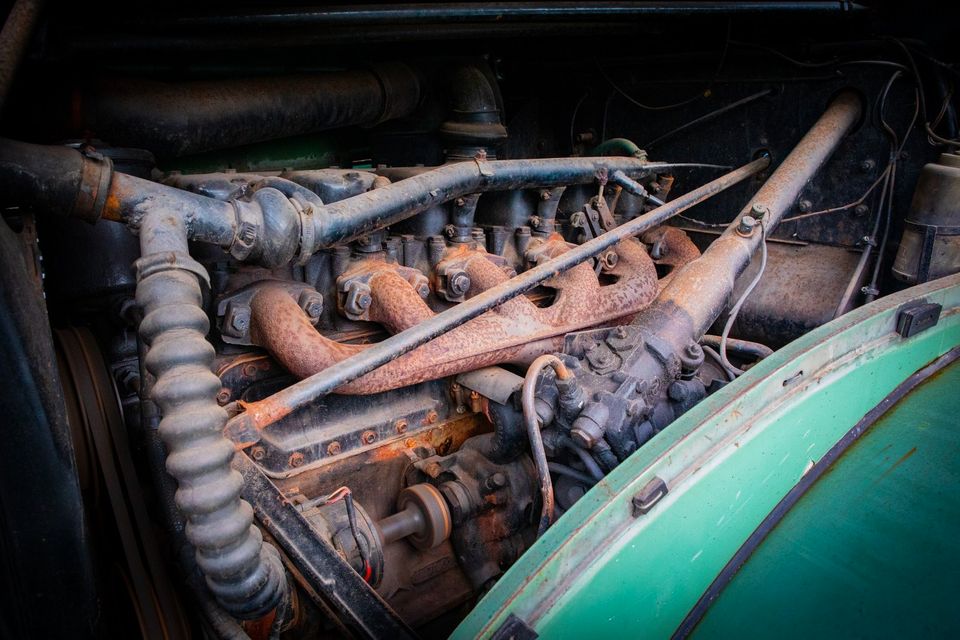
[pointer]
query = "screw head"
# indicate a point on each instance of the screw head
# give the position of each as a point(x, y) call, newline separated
point(400, 426)
point(223, 397)
point(758, 210)
point(804, 206)
point(296, 459)
point(431, 416)
point(259, 453)
point(333, 448)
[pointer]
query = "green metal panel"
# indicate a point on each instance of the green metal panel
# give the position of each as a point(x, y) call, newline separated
point(871, 549)
point(600, 572)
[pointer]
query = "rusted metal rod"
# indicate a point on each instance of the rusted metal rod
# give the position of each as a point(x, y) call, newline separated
point(284, 402)
point(692, 301)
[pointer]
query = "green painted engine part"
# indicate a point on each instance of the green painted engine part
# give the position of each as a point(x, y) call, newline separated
point(602, 571)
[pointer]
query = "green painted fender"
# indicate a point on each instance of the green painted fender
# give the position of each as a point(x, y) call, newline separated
point(602, 571)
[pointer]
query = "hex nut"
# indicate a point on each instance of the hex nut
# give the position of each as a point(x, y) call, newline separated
point(259, 453)
point(333, 448)
point(312, 304)
point(296, 459)
point(746, 226)
point(400, 426)
point(368, 437)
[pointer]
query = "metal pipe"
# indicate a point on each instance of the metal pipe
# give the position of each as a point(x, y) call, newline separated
point(14, 39)
point(695, 297)
point(282, 403)
point(532, 422)
point(502, 12)
point(186, 118)
point(353, 217)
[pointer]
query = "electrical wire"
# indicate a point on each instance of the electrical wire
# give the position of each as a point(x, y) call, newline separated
point(743, 298)
point(709, 116)
point(570, 472)
point(344, 493)
point(702, 94)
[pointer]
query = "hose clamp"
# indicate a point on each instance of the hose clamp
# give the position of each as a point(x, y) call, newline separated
point(249, 223)
point(308, 233)
point(169, 261)
point(96, 174)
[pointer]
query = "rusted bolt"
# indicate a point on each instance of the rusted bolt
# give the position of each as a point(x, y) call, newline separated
point(400, 426)
point(545, 194)
point(358, 299)
point(259, 453)
point(745, 228)
point(758, 210)
point(223, 397)
point(461, 409)
point(312, 304)
point(368, 437)
point(333, 448)
point(458, 283)
point(535, 221)
point(249, 370)
point(296, 459)
point(431, 417)
point(460, 202)
point(804, 206)
point(433, 469)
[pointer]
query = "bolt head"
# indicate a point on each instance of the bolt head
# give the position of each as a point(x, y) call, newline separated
point(333, 448)
point(458, 283)
point(861, 210)
point(400, 426)
point(747, 223)
point(368, 437)
point(296, 459)
point(312, 303)
point(804, 206)
point(582, 438)
point(759, 210)
point(258, 453)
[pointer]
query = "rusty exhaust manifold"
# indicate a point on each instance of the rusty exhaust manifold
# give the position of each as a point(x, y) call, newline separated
point(517, 331)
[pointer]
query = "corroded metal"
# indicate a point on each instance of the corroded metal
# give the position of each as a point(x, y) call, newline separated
point(498, 336)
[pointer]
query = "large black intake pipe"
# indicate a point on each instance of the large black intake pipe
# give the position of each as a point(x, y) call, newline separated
point(184, 118)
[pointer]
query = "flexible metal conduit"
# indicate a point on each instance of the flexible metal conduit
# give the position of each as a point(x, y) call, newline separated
point(262, 413)
point(244, 575)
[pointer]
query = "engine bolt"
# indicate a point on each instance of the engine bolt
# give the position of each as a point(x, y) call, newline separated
point(400, 425)
point(758, 210)
point(333, 448)
point(296, 459)
point(458, 284)
point(223, 397)
point(431, 417)
point(312, 304)
point(368, 437)
point(496, 481)
point(804, 206)
point(259, 453)
point(745, 228)
point(861, 210)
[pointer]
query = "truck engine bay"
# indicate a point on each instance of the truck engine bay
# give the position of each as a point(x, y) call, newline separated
point(317, 318)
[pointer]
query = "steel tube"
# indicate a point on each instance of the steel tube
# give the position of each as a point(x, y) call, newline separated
point(692, 301)
point(284, 402)
point(353, 217)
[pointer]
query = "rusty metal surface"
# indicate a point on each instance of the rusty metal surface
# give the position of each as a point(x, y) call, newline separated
point(501, 335)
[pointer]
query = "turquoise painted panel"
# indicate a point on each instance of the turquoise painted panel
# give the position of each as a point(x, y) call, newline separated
point(600, 572)
point(871, 549)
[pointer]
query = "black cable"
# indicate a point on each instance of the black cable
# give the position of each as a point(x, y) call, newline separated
point(709, 116)
point(702, 94)
point(570, 472)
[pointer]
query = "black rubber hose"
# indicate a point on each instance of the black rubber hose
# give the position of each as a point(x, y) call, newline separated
point(185, 118)
point(509, 435)
point(57, 180)
point(245, 577)
point(564, 470)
